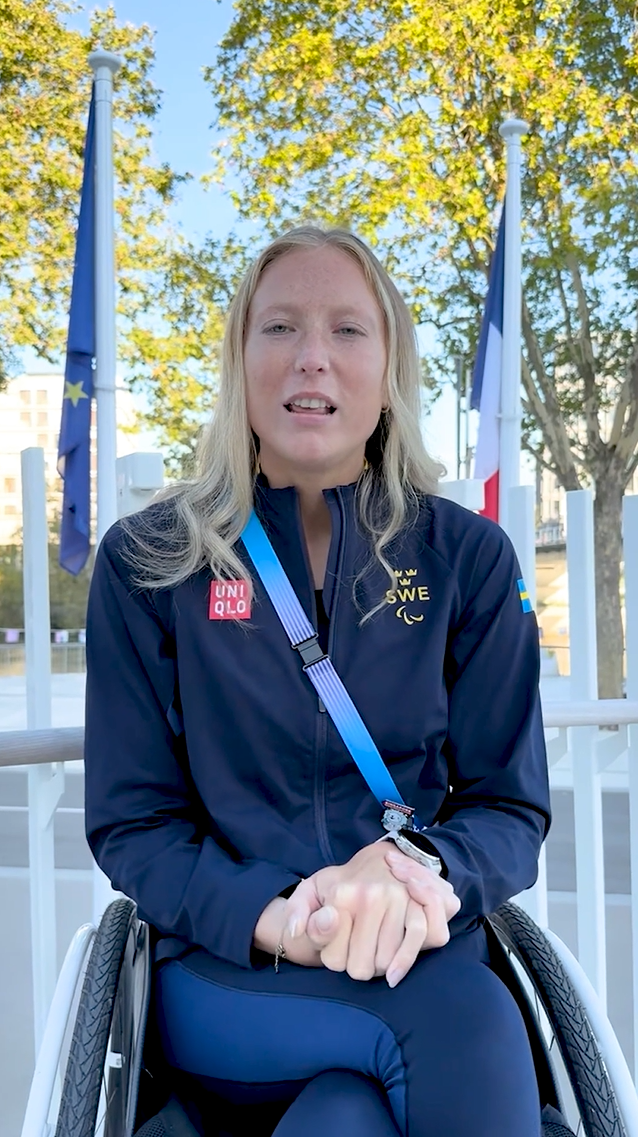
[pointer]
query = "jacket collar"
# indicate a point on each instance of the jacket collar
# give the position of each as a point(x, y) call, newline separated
point(280, 513)
point(288, 495)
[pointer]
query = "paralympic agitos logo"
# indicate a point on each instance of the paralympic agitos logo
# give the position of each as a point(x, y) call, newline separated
point(407, 592)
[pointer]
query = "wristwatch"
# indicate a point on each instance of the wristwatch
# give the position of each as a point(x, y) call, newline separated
point(398, 820)
point(406, 841)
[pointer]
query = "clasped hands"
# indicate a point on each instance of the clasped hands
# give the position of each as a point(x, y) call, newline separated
point(371, 916)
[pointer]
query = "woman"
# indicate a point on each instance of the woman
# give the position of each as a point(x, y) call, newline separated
point(220, 796)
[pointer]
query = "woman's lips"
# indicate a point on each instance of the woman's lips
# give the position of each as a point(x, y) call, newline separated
point(309, 410)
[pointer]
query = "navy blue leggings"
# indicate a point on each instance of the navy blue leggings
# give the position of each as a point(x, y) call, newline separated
point(444, 1054)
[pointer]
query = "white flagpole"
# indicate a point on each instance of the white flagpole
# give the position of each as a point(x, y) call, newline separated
point(510, 433)
point(105, 65)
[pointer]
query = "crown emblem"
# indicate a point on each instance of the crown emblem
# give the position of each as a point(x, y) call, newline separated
point(407, 591)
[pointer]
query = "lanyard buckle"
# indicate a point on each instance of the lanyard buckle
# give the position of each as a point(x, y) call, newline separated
point(310, 651)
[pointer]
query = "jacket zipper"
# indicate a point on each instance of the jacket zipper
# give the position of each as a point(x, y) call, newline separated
point(304, 549)
point(321, 735)
point(318, 789)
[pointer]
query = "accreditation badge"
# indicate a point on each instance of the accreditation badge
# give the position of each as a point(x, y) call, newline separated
point(229, 600)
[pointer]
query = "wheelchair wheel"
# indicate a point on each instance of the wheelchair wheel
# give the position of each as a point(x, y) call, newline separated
point(587, 1097)
point(102, 1072)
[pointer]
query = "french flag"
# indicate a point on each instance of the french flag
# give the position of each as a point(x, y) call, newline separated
point(486, 380)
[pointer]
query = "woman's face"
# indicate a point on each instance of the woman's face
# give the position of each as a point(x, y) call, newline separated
point(315, 359)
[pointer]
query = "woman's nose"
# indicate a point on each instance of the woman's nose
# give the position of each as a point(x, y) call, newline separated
point(312, 351)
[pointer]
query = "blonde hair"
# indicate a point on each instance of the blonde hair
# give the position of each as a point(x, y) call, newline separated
point(209, 511)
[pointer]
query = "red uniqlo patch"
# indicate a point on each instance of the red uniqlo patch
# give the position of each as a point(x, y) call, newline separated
point(229, 600)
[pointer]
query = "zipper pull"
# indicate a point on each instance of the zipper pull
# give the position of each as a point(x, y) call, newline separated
point(321, 706)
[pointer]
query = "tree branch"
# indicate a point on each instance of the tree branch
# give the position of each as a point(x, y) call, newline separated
point(624, 402)
point(625, 426)
point(559, 284)
point(631, 468)
point(546, 409)
point(587, 359)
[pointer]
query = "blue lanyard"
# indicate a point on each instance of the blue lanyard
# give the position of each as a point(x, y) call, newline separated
point(317, 666)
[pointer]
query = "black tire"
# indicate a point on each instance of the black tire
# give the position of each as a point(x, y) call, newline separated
point(583, 1062)
point(85, 1068)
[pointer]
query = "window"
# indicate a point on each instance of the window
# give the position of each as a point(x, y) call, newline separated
point(10, 485)
point(10, 510)
point(43, 418)
point(43, 441)
point(41, 398)
point(25, 397)
point(25, 418)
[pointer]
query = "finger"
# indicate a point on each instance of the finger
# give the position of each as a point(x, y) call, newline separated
point(422, 883)
point(391, 935)
point(416, 930)
point(322, 926)
point(376, 904)
point(299, 908)
point(402, 867)
point(335, 954)
point(438, 932)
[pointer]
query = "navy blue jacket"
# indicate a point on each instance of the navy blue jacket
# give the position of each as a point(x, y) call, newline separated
point(214, 780)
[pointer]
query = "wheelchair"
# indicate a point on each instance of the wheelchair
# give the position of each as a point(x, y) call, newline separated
point(99, 1073)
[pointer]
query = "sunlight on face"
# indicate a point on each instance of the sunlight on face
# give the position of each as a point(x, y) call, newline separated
point(315, 360)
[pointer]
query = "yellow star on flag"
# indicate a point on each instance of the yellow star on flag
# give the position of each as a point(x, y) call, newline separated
point(74, 392)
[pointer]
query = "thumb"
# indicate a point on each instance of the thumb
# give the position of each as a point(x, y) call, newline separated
point(322, 926)
point(303, 902)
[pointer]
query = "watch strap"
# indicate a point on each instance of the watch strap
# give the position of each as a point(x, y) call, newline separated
point(405, 844)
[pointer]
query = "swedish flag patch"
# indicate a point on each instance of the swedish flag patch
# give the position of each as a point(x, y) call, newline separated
point(526, 603)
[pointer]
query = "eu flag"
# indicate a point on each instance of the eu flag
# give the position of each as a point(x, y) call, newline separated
point(74, 447)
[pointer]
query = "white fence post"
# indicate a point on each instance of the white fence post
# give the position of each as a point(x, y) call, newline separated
point(46, 783)
point(588, 819)
point(522, 532)
point(139, 476)
point(630, 543)
point(469, 492)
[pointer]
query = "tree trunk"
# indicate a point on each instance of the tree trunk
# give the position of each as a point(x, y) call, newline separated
point(608, 553)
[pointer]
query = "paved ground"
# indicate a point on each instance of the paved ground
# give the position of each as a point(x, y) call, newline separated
point(74, 885)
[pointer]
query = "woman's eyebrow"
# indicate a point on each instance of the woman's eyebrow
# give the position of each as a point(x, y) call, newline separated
point(337, 309)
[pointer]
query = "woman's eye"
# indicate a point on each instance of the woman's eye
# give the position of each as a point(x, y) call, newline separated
point(274, 327)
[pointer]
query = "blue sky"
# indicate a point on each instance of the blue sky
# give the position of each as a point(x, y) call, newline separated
point(187, 33)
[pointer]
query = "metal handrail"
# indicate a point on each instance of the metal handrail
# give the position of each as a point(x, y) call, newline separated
point(66, 744)
point(35, 747)
point(595, 712)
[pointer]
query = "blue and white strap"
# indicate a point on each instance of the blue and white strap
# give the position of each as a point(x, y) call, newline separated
point(320, 671)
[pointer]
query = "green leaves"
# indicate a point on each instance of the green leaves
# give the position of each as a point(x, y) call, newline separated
point(45, 86)
point(173, 340)
point(387, 115)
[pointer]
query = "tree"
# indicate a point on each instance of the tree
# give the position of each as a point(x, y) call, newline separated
point(384, 116)
point(68, 594)
point(173, 348)
point(45, 85)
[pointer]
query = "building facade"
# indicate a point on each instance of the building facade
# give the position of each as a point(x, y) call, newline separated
point(30, 413)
